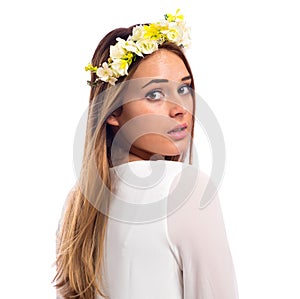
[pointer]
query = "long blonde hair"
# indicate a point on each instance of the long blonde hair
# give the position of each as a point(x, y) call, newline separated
point(82, 229)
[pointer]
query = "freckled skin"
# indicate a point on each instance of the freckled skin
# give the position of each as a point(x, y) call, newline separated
point(153, 110)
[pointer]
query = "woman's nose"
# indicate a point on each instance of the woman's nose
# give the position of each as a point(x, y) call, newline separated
point(176, 109)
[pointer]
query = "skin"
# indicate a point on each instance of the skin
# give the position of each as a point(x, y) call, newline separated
point(157, 99)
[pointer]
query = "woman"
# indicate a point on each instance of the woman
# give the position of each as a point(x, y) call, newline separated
point(131, 226)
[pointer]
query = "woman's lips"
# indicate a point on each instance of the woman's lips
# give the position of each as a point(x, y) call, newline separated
point(178, 132)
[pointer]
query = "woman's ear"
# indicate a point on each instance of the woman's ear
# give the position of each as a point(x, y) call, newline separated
point(113, 121)
point(113, 118)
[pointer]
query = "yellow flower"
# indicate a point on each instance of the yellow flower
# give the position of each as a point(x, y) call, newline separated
point(152, 32)
point(91, 68)
point(145, 39)
point(173, 18)
point(129, 57)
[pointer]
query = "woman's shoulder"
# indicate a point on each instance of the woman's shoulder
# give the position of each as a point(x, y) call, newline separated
point(183, 177)
point(192, 187)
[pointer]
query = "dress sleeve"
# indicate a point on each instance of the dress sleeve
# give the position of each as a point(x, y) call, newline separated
point(198, 239)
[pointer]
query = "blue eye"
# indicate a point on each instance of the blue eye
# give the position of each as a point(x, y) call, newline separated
point(184, 89)
point(155, 95)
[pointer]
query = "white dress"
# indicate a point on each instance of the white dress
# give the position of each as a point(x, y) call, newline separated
point(159, 244)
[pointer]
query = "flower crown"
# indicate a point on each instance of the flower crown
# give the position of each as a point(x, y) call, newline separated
point(144, 40)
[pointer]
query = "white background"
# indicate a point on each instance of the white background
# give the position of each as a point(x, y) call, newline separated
point(245, 57)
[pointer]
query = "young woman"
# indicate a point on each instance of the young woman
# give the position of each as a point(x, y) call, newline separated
point(132, 227)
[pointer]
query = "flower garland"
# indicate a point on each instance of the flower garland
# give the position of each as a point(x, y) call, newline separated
point(144, 40)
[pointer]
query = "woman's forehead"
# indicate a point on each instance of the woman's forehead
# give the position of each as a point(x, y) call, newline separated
point(162, 64)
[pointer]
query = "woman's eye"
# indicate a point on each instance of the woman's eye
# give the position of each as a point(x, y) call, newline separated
point(185, 89)
point(155, 95)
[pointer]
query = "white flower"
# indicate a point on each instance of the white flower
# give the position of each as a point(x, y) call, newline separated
point(112, 80)
point(117, 51)
point(147, 46)
point(129, 46)
point(172, 35)
point(184, 38)
point(119, 67)
point(145, 39)
point(138, 33)
point(164, 23)
point(104, 72)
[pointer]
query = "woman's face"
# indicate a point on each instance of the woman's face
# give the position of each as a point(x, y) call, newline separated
point(157, 108)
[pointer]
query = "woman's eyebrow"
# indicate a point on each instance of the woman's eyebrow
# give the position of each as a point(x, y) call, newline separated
point(165, 80)
point(156, 81)
point(186, 78)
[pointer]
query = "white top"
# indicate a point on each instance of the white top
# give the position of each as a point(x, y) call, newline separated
point(159, 244)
